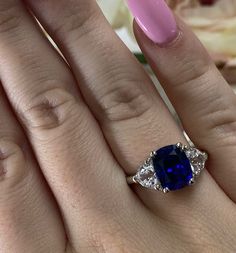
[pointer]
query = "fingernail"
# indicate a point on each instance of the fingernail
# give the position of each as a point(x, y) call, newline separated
point(155, 18)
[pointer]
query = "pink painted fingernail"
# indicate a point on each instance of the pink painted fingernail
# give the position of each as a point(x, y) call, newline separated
point(155, 18)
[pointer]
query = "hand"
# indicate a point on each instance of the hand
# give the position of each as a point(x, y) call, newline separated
point(71, 130)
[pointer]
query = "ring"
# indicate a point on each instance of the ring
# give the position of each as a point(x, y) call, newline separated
point(170, 168)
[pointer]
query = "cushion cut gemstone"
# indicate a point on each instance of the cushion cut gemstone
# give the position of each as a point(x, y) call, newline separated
point(172, 167)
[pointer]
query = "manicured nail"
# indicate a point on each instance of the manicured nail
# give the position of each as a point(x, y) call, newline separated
point(155, 18)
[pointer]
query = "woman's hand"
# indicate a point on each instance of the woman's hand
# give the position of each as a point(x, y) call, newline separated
point(71, 130)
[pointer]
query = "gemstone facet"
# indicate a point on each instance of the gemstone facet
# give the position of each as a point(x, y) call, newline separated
point(146, 176)
point(172, 167)
point(197, 159)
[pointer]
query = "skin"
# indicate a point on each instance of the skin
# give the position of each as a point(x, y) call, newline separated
point(71, 132)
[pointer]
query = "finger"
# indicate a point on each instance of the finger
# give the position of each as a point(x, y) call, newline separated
point(202, 98)
point(123, 99)
point(29, 217)
point(113, 88)
point(67, 141)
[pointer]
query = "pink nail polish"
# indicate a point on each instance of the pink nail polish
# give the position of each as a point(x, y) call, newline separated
point(155, 18)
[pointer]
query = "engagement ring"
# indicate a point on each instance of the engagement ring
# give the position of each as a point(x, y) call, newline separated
point(170, 168)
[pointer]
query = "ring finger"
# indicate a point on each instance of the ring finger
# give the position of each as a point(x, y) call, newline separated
point(133, 117)
point(204, 101)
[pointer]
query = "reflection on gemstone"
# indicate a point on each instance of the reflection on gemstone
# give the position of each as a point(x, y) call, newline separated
point(146, 176)
point(172, 167)
point(197, 159)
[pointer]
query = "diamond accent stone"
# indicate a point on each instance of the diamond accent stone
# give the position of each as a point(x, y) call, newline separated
point(197, 159)
point(146, 177)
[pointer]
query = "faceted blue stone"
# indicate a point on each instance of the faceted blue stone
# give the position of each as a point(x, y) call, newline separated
point(172, 167)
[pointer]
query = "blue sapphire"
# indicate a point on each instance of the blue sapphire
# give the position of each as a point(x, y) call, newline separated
point(172, 167)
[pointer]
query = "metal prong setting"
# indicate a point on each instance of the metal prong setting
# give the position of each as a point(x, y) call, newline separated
point(152, 154)
point(205, 155)
point(131, 180)
point(158, 187)
point(192, 181)
point(181, 146)
point(166, 190)
point(185, 147)
point(148, 161)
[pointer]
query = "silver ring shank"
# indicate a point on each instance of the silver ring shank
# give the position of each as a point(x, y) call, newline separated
point(131, 180)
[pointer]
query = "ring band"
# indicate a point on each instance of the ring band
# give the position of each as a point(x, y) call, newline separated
point(170, 168)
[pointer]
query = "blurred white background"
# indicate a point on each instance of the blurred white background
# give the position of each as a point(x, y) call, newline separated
point(215, 25)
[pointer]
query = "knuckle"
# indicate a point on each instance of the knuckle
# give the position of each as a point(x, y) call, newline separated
point(221, 120)
point(191, 65)
point(12, 162)
point(125, 101)
point(192, 74)
point(77, 23)
point(10, 17)
point(48, 110)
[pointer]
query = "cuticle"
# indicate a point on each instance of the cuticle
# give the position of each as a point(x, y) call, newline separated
point(173, 42)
